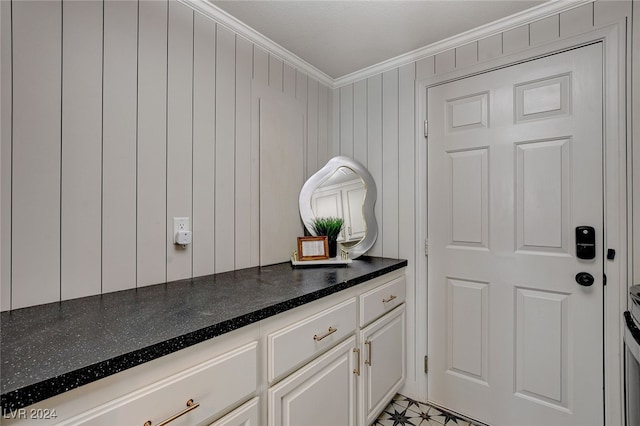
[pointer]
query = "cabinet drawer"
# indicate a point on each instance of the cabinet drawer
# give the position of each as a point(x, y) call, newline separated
point(380, 300)
point(215, 385)
point(292, 346)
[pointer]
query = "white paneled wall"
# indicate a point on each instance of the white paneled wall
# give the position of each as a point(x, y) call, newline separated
point(116, 117)
point(374, 123)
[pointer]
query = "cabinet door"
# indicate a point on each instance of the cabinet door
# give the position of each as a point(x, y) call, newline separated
point(246, 415)
point(320, 394)
point(383, 354)
point(355, 224)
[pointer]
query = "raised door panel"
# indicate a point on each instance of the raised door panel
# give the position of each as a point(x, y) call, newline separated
point(354, 198)
point(247, 415)
point(329, 204)
point(320, 394)
point(384, 366)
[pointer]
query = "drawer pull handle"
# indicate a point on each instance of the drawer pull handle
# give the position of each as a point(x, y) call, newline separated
point(328, 333)
point(190, 406)
point(357, 369)
point(392, 297)
point(368, 361)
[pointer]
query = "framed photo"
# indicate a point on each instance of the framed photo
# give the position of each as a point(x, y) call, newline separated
point(313, 248)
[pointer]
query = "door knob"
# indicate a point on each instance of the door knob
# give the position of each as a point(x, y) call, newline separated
point(584, 278)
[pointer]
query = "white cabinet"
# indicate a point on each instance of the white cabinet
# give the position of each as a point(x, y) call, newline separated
point(382, 345)
point(246, 415)
point(345, 201)
point(321, 393)
point(366, 364)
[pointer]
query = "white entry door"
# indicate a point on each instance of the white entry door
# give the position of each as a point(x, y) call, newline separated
point(515, 165)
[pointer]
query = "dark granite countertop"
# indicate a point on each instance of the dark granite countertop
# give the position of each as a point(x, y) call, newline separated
point(49, 349)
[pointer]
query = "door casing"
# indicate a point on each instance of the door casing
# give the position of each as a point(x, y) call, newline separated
point(617, 201)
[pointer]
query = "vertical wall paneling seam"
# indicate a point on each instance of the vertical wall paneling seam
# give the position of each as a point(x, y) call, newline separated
point(137, 129)
point(397, 253)
point(305, 145)
point(215, 139)
point(381, 186)
point(353, 120)
point(366, 118)
point(11, 153)
point(367, 115)
point(102, 159)
point(318, 165)
point(193, 66)
point(339, 93)
point(235, 140)
point(166, 149)
point(60, 240)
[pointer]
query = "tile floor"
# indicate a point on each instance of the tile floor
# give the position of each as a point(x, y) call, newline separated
point(403, 411)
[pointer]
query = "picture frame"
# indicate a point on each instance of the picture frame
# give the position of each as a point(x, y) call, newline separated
point(313, 248)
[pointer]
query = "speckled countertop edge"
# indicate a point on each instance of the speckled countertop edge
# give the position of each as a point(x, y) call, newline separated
point(43, 385)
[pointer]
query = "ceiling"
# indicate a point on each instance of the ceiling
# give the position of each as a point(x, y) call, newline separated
point(342, 37)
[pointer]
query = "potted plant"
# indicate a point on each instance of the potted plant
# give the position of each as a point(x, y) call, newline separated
point(331, 227)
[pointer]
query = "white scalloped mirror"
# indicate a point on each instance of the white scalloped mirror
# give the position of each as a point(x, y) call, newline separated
point(343, 188)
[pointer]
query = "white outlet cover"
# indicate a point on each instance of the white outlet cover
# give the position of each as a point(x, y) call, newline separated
point(180, 224)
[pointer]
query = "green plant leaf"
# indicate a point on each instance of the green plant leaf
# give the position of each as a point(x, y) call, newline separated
point(329, 226)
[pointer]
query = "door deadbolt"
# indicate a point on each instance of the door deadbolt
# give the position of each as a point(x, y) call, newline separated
point(584, 279)
point(585, 242)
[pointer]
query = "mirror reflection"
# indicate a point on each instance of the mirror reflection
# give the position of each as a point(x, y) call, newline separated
point(342, 195)
point(345, 189)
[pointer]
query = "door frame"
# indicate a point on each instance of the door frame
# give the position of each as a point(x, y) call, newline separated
point(617, 196)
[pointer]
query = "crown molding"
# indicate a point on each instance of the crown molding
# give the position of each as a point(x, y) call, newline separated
point(257, 38)
point(552, 7)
